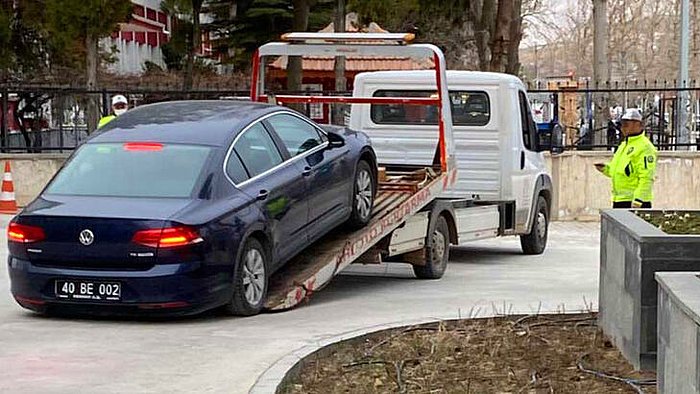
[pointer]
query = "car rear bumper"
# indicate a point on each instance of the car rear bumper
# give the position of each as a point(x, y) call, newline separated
point(164, 290)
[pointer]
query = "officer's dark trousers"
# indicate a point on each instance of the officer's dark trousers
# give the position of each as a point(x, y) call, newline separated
point(628, 204)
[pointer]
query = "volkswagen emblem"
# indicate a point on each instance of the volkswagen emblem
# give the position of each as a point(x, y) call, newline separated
point(86, 237)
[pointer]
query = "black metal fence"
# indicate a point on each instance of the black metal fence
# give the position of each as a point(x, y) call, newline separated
point(589, 116)
point(55, 119)
point(49, 119)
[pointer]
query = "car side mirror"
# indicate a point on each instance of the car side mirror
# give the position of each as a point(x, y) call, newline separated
point(335, 140)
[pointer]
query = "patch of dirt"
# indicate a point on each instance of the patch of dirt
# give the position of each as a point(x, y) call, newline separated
point(514, 354)
point(673, 222)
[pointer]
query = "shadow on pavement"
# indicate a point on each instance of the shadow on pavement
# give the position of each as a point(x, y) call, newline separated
point(345, 287)
point(478, 254)
point(202, 318)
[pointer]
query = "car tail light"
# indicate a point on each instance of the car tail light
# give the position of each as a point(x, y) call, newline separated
point(167, 237)
point(25, 234)
point(29, 301)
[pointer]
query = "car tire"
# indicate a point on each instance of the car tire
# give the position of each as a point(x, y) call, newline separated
point(363, 196)
point(536, 241)
point(250, 280)
point(437, 252)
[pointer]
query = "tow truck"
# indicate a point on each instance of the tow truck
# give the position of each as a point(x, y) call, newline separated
point(428, 198)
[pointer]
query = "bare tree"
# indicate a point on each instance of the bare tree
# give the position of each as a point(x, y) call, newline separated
point(601, 71)
point(194, 44)
point(339, 66)
point(482, 13)
point(515, 36)
point(642, 41)
point(92, 64)
point(294, 65)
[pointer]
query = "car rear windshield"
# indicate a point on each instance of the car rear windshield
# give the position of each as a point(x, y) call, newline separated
point(468, 108)
point(132, 170)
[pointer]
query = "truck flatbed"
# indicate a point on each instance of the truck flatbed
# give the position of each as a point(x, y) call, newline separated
point(400, 195)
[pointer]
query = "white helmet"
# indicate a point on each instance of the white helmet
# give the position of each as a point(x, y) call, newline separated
point(119, 99)
point(632, 114)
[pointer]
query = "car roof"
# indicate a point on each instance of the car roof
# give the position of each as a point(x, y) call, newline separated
point(200, 122)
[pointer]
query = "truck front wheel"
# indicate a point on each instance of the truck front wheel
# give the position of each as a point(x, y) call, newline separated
point(437, 252)
point(536, 241)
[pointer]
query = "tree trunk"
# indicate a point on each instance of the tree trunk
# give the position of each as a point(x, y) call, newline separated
point(516, 35)
point(91, 62)
point(339, 66)
point(499, 40)
point(195, 43)
point(601, 70)
point(294, 65)
point(483, 16)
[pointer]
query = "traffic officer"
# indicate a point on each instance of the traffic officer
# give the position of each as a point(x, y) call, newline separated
point(119, 106)
point(633, 167)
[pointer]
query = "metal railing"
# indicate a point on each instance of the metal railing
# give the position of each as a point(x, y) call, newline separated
point(659, 101)
point(38, 119)
point(54, 118)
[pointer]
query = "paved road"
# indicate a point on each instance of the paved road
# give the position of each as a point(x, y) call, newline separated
point(220, 354)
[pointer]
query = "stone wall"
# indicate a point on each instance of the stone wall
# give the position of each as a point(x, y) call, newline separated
point(31, 172)
point(631, 252)
point(678, 366)
point(580, 191)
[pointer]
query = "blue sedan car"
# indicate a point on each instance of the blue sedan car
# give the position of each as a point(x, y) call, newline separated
point(180, 207)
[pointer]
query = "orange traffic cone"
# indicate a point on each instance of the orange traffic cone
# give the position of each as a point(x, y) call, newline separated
point(8, 204)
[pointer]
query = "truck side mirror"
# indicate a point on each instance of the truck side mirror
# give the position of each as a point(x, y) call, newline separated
point(550, 140)
point(556, 142)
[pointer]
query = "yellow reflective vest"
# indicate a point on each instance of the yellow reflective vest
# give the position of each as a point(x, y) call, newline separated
point(632, 170)
point(105, 120)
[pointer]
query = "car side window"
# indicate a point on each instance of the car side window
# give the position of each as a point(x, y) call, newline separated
point(235, 169)
point(257, 150)
point(297, 135)
point(529, 129)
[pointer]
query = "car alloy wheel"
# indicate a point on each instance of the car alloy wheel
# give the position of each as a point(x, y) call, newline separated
point(253, 276)
point(363, 196)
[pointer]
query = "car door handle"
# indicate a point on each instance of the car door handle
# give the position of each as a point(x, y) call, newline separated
point(306, 172)
point(262, 195)
point(522, 159)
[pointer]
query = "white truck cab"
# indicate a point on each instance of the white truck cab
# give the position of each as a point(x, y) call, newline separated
point(499, 159)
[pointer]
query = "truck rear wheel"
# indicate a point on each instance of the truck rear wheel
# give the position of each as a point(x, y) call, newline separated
point(536, 241)
point(437, 252)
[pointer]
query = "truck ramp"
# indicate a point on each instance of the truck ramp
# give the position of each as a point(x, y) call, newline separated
point(400, 195)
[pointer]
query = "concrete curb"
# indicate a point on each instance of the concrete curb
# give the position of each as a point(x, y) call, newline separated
point(282, 369)
point(274, 377)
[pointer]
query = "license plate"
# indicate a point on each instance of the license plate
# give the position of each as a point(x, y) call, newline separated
point(88, 290)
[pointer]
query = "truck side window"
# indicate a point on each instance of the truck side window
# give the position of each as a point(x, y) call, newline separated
point(527, 124)
point(468, 108)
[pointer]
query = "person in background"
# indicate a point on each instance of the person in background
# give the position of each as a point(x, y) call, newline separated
point(633, 166)
point(119, 106)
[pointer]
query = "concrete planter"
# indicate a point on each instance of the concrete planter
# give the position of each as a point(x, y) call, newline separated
point(631, 252)
point(678, 362)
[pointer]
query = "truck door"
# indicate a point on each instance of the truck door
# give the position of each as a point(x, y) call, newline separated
point(527, 165)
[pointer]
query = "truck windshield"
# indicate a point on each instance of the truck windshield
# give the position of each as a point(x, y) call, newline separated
point(132, 170)
point(468, 108)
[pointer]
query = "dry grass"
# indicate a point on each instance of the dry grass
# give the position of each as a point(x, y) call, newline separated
point(526, 354)
point(674, 222)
